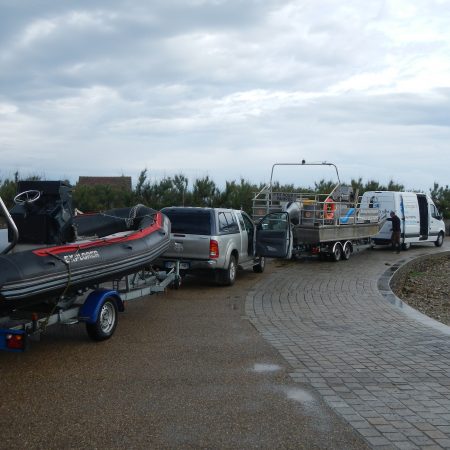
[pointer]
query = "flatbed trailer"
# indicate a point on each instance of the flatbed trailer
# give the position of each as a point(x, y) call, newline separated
point(328, 225)
point(97, 308)
point(332, 242)
point(327, 233)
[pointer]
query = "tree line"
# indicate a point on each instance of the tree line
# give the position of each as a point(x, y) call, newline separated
point(178, 191)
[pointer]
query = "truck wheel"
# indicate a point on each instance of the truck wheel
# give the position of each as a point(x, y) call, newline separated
point(228, 276)
point(106, 322)
point(337, 252)
point(440, 240)
point(259, 268)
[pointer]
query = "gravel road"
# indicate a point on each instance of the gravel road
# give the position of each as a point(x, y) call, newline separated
point(184, 370)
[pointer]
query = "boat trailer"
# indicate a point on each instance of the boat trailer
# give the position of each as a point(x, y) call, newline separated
point(98, 308)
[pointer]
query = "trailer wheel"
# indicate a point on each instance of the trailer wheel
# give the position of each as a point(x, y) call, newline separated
point(440, 240)
point(228, 276)
point(103, 328)
point(347, 251)
point(259, 268)
point(337, 252)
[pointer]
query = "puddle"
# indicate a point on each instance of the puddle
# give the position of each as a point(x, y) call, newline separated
point(302, 396)
point(260, 368)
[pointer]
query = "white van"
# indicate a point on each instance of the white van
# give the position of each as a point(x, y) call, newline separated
point(419, 217)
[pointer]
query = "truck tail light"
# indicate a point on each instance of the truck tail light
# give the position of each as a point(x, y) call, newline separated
point(213, 249)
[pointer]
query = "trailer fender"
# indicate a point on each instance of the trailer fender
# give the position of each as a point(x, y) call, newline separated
point(91, 307)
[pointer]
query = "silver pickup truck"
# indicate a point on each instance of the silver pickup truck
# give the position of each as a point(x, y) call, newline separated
point(211, 239)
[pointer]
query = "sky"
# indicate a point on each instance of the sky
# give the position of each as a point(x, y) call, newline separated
point(226, 89)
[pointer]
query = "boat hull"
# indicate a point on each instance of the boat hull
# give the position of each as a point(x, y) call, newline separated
point(50, 272)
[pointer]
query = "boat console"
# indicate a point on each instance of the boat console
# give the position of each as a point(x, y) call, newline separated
point(43, 213)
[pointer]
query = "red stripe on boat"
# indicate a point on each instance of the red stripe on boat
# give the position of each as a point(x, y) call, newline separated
point(101, 242)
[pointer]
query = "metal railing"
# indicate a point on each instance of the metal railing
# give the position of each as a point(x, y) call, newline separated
point(307, 208)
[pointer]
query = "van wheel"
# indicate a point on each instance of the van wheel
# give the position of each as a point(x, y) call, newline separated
point(228, 276)
point(440, 240)
point(259, 268)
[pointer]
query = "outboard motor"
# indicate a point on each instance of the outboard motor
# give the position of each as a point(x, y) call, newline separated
point(293, 209)
point(43, 213)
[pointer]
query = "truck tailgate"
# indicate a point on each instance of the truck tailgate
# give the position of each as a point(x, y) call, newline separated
point(194, 246)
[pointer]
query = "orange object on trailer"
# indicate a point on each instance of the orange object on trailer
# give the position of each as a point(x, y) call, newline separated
point(329, 206)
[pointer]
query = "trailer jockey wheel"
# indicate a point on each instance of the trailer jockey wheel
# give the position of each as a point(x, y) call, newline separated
point(27, 197)
point(260, 266)
point(177, 282)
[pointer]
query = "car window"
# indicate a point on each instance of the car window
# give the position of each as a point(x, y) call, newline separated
point(189, 222)
point(223, 224)
point(241, 221)
point(227, 223)
point(275, 222)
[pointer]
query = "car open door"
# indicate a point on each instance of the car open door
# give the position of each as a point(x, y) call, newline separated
point(274, 236)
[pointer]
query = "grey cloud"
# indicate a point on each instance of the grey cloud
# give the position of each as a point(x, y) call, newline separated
point(134, 84)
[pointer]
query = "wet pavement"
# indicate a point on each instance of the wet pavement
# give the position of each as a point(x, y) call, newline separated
point(381, 366)
point(309, 355)
point(185, 370)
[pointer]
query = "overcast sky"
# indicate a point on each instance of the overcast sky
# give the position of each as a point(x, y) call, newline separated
point(226, 88)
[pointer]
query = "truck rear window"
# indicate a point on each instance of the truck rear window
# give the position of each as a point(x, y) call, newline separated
point(189, 222)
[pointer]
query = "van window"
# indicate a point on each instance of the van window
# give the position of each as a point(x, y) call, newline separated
point(227, 223)
point(189, 222)
point(434, 212)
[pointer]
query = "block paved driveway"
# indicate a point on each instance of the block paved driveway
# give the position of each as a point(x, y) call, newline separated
point(386, 372)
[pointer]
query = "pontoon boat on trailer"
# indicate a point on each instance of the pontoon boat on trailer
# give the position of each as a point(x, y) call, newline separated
point(61, 254)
